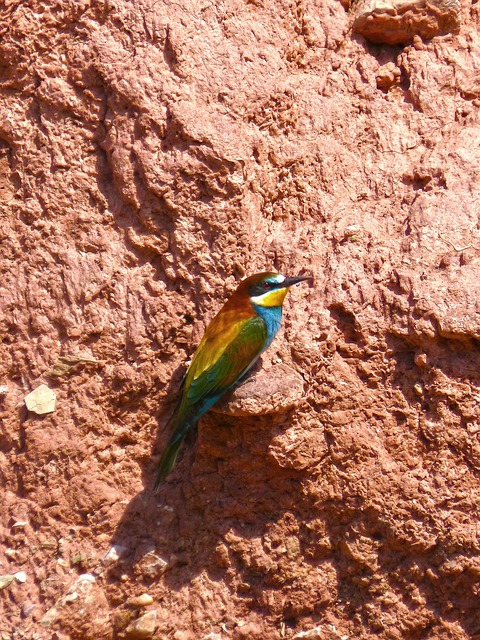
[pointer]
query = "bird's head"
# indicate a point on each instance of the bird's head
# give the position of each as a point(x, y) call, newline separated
point(268, 289)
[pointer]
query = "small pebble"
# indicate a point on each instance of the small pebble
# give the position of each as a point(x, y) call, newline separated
point(84, 578)
point(183, 635)
point(141, 601)
point(20, 576)
point(114, 554)
point(143, 627)
point(154, 566)
point(6, 581)
point(27, 609)
point(50, 617)
point(418, 389)
point(41, 400)
point(418, 43)
point(351, 230)
point(421, 360)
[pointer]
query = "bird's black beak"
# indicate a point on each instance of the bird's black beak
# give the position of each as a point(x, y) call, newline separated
point(288, 282)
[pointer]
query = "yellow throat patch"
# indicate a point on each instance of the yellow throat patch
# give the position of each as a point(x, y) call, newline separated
point(273, 298)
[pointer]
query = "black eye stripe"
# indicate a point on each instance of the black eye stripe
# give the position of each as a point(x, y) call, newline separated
point(263, 287)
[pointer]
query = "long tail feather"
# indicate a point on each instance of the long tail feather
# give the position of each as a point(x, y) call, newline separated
point(167, 462)
point(170, 453)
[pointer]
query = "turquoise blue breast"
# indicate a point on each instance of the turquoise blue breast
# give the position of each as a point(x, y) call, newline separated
point(273, 319)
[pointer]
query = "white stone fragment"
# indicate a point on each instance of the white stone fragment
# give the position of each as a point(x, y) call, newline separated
point(323, 632)
point(114, 554)
point(85, 578)
point(20, 576)
point(41, 400)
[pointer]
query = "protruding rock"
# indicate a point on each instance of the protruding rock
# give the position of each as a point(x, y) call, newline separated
point(387, 76)
point(83, 606)
point(398, 21)
point(273, 390)
point(81, 588)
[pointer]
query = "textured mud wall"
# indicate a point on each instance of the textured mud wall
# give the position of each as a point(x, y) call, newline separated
point(152, 154)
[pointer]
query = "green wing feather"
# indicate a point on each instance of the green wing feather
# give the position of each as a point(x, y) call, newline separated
point(221, 359)
point(233, 362)
point(219, 335)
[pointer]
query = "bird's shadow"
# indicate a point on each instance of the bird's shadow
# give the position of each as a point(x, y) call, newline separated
point(224, 483)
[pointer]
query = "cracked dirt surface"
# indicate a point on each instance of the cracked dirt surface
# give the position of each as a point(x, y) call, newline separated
point(151, 155)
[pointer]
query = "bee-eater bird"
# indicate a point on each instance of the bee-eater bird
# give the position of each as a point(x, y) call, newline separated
point(243, 328)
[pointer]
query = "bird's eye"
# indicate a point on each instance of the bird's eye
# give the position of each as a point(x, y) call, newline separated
point(267, 285)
